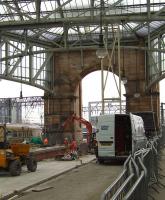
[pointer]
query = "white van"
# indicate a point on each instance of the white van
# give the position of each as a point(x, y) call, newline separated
point(119, 135)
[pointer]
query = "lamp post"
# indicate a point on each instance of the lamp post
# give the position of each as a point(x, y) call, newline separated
point(101, 53)
point(118, 39)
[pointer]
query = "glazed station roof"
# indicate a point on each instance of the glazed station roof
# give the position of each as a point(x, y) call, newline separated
point(78, 23)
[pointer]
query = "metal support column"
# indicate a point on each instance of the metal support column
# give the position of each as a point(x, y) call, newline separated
point(102, 85)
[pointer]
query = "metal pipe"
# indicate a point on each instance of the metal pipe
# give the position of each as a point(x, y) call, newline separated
point(118, 34)
point(102, 85)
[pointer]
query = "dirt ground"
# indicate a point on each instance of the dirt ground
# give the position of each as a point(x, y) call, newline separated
point(84, 183)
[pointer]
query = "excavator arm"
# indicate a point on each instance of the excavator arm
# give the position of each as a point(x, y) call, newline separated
point(88, 125)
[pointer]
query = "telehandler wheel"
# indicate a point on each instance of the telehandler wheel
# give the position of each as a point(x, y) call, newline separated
point(15, 168)
point(31, 164)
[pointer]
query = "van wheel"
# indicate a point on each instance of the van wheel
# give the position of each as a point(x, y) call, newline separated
point(100, 161)
point(31, 164)
point(15, 168)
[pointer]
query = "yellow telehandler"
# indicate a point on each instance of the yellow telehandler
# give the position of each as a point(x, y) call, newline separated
point(13, 156)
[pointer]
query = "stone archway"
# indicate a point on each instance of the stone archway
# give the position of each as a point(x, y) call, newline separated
point(92, 94)
point(71, 67)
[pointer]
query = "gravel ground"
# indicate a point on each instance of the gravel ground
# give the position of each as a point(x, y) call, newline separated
point(84, 183)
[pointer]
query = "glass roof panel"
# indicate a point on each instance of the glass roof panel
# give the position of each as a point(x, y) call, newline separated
point(48, 5)
point(76, 4)
point(3, 9)
point(27, 7)
point(56, 30)
point(49, 36)
point(85, 16)
point(19, 32)
point(153, 26)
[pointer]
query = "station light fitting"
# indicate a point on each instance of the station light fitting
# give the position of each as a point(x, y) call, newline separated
point(137, 95)
point(101, 53)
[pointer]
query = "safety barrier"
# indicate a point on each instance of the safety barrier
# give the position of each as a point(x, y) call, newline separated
point(139, 172)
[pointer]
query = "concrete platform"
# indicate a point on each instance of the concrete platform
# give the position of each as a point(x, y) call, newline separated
point(46, 170)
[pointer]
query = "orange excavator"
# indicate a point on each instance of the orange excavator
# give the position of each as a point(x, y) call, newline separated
point(90, 134)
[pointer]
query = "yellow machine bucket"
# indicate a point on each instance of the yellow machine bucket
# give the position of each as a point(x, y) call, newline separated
point(3, 162)
point(20, 149)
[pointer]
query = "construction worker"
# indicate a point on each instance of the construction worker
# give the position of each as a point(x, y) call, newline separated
point(45, 137)
point(66, 143)
point(46, 141)
point(73, 149)
point(73, 145)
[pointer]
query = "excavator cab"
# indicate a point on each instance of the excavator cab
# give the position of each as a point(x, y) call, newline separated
point(14, 155)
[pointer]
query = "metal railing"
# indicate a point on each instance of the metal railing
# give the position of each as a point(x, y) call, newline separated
point(139, 172)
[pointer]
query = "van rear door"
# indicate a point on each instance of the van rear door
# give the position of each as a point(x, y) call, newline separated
point(138, 133)
point(105, 135)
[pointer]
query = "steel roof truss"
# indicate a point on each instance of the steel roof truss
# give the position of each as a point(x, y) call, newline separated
point(9, 42)
point(30, 40)
point(65, 35)
point(92, 8)
point(53, 42)
point(145, 24)
point(152, 62)
point(42, 67)
point(38, 9)
point(17, 63)
point(15, 9)
point(60, 8)
point(129, 28)
point(57, 9)
point(18, 10)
